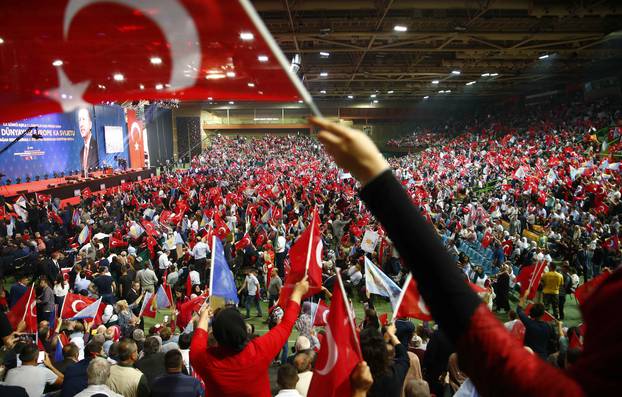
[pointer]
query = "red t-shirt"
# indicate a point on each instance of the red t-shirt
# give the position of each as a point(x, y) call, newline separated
point(245, 373)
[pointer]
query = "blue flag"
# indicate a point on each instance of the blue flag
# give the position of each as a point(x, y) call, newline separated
point(58, 353)
point(376, 282)
point(223, 283)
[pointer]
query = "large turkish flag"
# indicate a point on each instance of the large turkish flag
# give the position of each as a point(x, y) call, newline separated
point(135, 132)
point(59, 55)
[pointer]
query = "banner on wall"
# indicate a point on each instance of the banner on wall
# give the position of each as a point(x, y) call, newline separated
point(136, 146)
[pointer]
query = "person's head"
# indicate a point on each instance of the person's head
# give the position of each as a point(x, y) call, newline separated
point(29, 354)
point(71, 352)
point(184, 341)
point(94, 349)
point(136, 286)
point(152, 345)
point(302, 362)
point(417, 388)
point(230, 330)
point(78, 327)
point(98, 371)
point(302, 343)
point(512, 315)
point(173, 361)
point(84, 123)
point(287, 376)
point(552, 267)
point(127, 351)
point(165, 334)
point(375, 351)
point(537, 310)
point(138, 335)
point(371, 318)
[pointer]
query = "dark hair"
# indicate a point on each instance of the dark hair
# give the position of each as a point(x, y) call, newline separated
point(552, 267)
point(537, 310)
point(165, 334)
point(93, 348)
point(512, 315)
point(126, 348)
point(375, 351)
point(185, 340)
point(152, 345)
point(371, 319)
point(173, 359)
point(70, 350)
point(29, 352)
point(287, 376)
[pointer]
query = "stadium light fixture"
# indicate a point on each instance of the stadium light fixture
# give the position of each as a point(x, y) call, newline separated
point(447, 91)
point(323, 92)
point(141, 86)
point(375, 101)
point(230, 74)
point(247, 36)
point(471, 82)
point(426, 97)
point(350, 96)
point(262, 58)
point(324, 54)
point(494, 74)
point(441, 92)
point(324, 74)
point(159, 86)
point(57, 62)
point(231, 103)
point(485, 74)
point(543, 56)
point(400, 28)
point(155, 60)
point(455, 72)
point(435, 81)
point(390, 92)
point(251, 85)
point(118, 77)
point(1, 40)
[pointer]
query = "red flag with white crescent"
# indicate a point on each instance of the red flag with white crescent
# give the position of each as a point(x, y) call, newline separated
point(340, 351)
point(73, 53)
point(410, 303)
point(73, 304)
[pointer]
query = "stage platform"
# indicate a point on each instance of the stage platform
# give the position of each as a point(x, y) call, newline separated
point(67, 187)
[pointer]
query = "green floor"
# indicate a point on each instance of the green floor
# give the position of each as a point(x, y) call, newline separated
point(572, 315)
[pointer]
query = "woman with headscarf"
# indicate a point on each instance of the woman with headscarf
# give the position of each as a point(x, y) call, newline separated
point(238, 366)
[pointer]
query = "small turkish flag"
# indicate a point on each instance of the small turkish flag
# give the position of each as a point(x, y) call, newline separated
point(25, 310)
point(584, 290)
point(410, 303)
point(73, 303)
point(529, 277)
point(86, 193)
point(339, 352)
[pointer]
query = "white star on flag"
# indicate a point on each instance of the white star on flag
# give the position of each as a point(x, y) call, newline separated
point(68, 95)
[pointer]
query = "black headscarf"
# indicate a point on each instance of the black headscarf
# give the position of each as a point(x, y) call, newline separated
point(230, 329)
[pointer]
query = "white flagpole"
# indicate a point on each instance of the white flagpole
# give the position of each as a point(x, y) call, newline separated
point(32, 288)
point(211, 273)
point(280, 57)
point(346, 301)
point(401, 297)
point(310, 243)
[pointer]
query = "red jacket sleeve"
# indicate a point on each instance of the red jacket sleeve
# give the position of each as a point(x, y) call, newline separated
point(198, 351)
point(487, 351)
point(271, 343)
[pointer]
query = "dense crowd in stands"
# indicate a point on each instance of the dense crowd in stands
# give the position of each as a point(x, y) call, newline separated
point(538, 187)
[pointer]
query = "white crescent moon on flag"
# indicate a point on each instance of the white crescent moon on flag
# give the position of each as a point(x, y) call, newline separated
point(325, 316)
point(318, 253)
point(33, 309)
point(175, 23)
point(135, 127)
point(333, 353)
point(74, 305)
point(422, 306)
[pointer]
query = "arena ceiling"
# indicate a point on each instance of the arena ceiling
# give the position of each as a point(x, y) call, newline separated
point(495, 43)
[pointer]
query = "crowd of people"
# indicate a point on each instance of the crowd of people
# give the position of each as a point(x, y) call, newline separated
point(543, 189)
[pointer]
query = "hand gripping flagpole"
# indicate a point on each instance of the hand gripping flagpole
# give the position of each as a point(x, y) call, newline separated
point(280, 57)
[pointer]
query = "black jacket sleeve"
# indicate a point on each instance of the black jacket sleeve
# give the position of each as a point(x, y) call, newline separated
point(440, 282)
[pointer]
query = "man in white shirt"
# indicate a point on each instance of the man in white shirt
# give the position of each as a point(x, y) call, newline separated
point(287, 377)
point(31, 376)
point(163, 262)
point(251, 283)
point(200, 251)
point(98, 373)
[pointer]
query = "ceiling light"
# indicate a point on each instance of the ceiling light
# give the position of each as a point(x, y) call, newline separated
point(441, 92)
point(209, 98)
point(324, 54)
point(118, 77)
point(434, 81)
point(447, 91)
point(372, 96)
point(159, 86)
point(323, 74)
point(101, 86)
point(155, 60)
point(456, 72)
point(400, 28)
point(262, 58)
point(350, 96)
point(57, 62)
point(471, 82)
point(426, 97)
point(214, 75)
point(231, 102)
point(323, 92)
point(247, 36)
point(301, 101)
point(494, 74)
point(251, 85)
point(230, 74)
point(543, 56)
point(142, 87)
point(375, 101)
point(1, 40)
point(390, 92)
point(485, 74)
